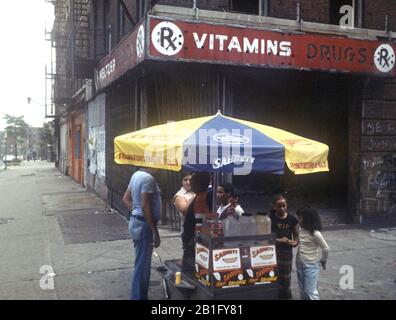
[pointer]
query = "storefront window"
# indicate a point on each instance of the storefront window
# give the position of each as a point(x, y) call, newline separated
point(245, 6)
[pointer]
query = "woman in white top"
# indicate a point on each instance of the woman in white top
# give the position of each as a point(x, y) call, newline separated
point(184, 197)
point(311, 253)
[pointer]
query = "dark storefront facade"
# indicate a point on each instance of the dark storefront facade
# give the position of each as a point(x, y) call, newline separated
point(315, 79)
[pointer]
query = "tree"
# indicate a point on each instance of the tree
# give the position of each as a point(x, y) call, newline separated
point(45, 138)
point(16, 128)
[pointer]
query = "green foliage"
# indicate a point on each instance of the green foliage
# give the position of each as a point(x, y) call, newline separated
point(17, 129)
point(45, 137)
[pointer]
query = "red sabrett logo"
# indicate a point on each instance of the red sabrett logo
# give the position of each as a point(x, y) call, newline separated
point(255, 253)
point(224, 253)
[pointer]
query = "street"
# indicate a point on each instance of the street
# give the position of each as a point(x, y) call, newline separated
point(49, 222)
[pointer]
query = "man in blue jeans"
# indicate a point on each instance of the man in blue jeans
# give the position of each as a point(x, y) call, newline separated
point(143, 199)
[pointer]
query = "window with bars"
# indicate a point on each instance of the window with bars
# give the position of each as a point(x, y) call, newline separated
point(245, 6)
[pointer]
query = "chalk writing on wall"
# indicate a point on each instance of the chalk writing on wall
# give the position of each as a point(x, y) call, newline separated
point(378, 185)
point(380, 144)
point(379, 127)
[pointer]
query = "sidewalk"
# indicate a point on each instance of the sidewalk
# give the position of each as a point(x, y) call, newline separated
point(48, 219)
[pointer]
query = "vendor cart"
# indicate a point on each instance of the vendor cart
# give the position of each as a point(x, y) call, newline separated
point(226, 268)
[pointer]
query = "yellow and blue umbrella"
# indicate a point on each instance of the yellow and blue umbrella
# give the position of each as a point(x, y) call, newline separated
point(220, 144)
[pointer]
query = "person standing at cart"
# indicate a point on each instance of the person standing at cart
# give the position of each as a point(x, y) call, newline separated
point(285, 226)
point(184, 197)
point(200, 205)
point(143, 200)
point(309, 259)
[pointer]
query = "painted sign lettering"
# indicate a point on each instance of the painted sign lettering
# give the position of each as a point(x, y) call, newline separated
point(127, 54)
point(228, 44)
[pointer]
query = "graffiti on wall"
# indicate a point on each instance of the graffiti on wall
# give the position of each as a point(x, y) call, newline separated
point(379, 127)
point(96, 147)
point(379, 183)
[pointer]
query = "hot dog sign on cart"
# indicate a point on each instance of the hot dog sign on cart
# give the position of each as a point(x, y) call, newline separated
point(234, 267)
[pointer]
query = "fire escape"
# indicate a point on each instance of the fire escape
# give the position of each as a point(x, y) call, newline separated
point(72, 59)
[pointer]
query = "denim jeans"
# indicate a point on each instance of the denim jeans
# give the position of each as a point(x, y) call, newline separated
point(143, 244)
point(307, 275)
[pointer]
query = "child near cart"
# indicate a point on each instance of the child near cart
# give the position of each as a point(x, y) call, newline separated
point(309, 259)
point(285, 226)
point(228, 198)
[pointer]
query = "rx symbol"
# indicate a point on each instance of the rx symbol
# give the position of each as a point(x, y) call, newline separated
point(167, 38)
point(167, 34)
point(384, 58)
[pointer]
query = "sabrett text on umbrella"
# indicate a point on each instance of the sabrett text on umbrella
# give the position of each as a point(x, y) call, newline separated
point(220, 162)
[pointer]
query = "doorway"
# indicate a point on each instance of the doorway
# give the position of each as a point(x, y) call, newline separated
point(310, 104)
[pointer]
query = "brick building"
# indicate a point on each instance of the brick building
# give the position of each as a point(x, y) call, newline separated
point(290, 64)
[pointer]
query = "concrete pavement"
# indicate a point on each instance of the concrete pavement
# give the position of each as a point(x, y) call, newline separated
point(46, 219)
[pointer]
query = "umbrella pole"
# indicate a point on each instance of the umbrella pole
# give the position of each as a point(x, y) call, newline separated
point(215, 183)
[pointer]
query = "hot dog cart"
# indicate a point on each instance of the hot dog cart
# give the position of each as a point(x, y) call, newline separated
point(236, 268)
